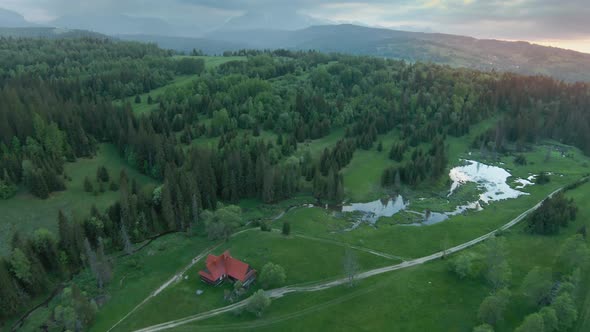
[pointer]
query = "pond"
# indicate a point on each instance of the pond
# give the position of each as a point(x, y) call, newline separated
point(371, 212)
point(492, 182)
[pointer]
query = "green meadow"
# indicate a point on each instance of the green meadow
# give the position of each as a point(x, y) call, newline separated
point(26, 213)
point(422, 298)
point(177, 83)
point(427, 297)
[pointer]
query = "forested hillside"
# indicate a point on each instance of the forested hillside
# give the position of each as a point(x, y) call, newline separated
point(454, 50)
point(236, 131)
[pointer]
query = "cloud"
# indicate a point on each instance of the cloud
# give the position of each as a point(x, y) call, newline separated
point(507, 19)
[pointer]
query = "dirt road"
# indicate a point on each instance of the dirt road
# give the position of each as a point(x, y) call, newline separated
point(280, 292)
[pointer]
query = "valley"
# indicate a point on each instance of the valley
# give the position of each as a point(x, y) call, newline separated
point(368, 181)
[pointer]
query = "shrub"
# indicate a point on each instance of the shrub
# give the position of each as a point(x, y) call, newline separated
point(491, 310)
point(543, 178)
point(520, 160)
point(257, 303)
point(265, 226)
point(7, 190)
point(272, 275)
point(463, 266)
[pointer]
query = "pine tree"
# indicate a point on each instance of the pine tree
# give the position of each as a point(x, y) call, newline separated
point(102, 174)
point(127, 246)
point(92, 262)
point(88, 187)
point(103, 265)
point(10, 299)
point(286, 228)
point(195, 211)
point(168, 207)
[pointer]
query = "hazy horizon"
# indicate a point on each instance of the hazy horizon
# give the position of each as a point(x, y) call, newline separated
point(561, 24)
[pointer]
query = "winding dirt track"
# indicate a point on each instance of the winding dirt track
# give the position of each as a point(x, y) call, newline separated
point(280, 292)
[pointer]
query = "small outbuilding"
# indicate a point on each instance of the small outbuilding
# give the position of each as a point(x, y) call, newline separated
point(224, 266)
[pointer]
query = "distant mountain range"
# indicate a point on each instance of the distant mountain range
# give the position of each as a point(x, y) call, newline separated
point(118, 24)
point(244, 32)
point(52, 33)
point(11, 19)
point(457, 51)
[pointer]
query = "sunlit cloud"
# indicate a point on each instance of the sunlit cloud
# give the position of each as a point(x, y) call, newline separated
point(581, 45)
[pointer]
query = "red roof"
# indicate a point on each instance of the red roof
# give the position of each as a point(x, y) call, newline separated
point(225, 265)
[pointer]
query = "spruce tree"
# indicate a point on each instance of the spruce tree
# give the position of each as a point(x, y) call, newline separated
point(88, 187)
point(286, 228)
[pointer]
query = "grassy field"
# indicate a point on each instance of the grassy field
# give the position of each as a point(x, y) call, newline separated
point(428, 297)
point(362, 177)
point(304, 261)
point(178, 82)
point(425, 298)
point(317, 146)
point(143, 107)
point(134, 277)
point(25, 213)
point(422, 298)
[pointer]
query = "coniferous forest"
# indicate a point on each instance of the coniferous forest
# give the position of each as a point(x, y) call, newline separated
point(60, 99)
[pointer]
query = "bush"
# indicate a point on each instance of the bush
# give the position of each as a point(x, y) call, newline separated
point(565, 310)
point(257, 303)
point(491, 310)
point(532, 323)
point(463, 266)
point(272, 275)
point(7, 190)
point(537, 285)
point(265, 226)
point(543, 178)
point(520, 160)
point(483, 328)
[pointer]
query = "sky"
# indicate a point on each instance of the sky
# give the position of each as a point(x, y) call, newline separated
point(561, 23)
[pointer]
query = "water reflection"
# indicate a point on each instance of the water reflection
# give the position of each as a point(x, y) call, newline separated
point(372, 211)
point(490, 180)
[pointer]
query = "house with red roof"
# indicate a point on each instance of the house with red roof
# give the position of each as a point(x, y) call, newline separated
point(224, 266)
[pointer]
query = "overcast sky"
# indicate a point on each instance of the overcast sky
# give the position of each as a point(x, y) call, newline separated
point(559, 22)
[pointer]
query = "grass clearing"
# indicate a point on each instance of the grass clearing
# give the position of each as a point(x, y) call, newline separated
point(178, 82)
point(304, 261)
point(422, 298)
point(137, 276)
point(362, 177)
point(317, 146)
point(25, 213)
point(427, 297)
point(216, 61)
